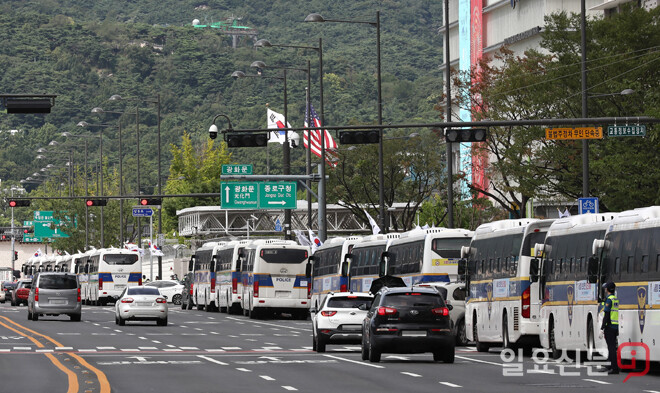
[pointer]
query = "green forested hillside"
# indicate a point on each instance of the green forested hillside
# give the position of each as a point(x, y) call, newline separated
point(87, 51)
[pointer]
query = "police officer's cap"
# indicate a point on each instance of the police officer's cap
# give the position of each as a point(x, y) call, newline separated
point(610, 286)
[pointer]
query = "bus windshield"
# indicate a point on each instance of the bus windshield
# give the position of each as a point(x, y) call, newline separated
point(282, 255)
point(120, 259)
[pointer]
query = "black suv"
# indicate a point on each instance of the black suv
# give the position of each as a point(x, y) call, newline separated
point(408, 320)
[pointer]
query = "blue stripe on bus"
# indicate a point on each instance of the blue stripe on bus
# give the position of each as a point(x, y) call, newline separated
point(107, 277)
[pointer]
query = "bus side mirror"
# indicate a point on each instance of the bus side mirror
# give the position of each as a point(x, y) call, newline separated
point(212, 267)
point(238, 265)
point(344, 269)
point(382, 265)
point(534, 270)
point(308, 269)
point(190, 264)
point(462, 270)
point(592, 270)
point(86, 268)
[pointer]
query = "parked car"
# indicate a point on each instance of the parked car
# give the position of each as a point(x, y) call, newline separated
point(170, 289)
point(454, 294)
point(186, 293)
point(7, 288)
point(339, 319)
point(408, 320)
point(54, 293)
point(141, 304)
point(20, 294)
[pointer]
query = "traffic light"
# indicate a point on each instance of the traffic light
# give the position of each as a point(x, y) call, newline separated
point(16, 255)
point(96, 202)
point(19, 202)
point(151, 201)
point(359, 137)
point(246, 140)
point(466, 135)
point(25, 105)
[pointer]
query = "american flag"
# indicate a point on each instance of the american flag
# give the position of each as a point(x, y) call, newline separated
point(331, 156)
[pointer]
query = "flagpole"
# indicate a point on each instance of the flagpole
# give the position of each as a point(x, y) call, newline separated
point(308, 152)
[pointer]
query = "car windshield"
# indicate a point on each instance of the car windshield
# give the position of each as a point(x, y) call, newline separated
point(142, 291)
point(58, 281)
point(349, 302)
point(413, 299)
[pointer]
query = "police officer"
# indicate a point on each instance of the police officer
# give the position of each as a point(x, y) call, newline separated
point(610, 326)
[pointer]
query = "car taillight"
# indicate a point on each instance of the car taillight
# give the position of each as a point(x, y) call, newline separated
point(234, 285)
point(161, 300)
point(191, 289)
point(525, 300)
point(127, 300)
point(444, 311)
point(213, 284)
point(36, 295)
point(100, 283)
point(255, 288)
point(386, 311)
point(78, 298)
point(328, 313)
point(343, 288)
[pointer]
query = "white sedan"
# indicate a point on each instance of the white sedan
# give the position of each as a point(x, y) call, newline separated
point(339, 319)
point(171, 289)
point(141, 304)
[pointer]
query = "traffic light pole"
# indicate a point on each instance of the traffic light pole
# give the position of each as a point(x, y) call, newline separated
point(13, 251)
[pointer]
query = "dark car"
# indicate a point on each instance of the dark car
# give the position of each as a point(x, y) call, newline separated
point(20, 294)
point(8, 287)
point(408, 320)
point(186, 293)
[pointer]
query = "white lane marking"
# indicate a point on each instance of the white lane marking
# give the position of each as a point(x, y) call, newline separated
point(245, 370)
point(87, 350)
point(251, 339)
point(480, 361)
point(214, 350)
point(158, 334)
point(270, 343)
point(29, 348)
point(270, 348)
point(451, 385)
point(130, 350)
point(252, 334)
point(289, 387)
point(171, 346)
point(118, 331)
point(64, 348)
point(172, 350)
point(147, 348)
point(354, 361)
point(105, 348)
point(597, 381)
point(155, 341)
point(411, 374)
point(142, 338)
point(267, 378)
point(212, 360)
point(104, 334)
point(651, 391)
point(43, 350)
point(231, 348)
point(189, 348)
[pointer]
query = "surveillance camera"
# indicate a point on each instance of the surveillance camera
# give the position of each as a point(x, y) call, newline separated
point(213, 131)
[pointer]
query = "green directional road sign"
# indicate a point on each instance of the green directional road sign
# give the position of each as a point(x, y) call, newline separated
point(258, 195)
point(239, 195)
point(238, 169)
point(635, 130)
point(46, 226)
point(277, 195)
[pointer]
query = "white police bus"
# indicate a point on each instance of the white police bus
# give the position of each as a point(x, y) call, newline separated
point(201, 266)
point(228, 286)
point(330, 264)
point(630, 257)
point(368, 260)
point(427, 255)
point(569, 308)
point(110, 271)
point(503, 304)
point(275, 276)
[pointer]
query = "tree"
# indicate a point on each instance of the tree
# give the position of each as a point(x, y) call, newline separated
point(413, 171)
point(193, 170)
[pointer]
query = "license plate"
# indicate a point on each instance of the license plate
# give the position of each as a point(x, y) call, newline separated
point(282, 293)
point(351, 327)
point(413, 333)
point(57, 301)
point(144, 304)
point(120, 286)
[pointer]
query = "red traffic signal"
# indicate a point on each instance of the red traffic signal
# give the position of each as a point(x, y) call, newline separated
point(96, 202)
point(19, 202)
point(151, 201)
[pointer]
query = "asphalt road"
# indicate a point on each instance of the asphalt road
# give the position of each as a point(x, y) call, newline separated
point(213, 352)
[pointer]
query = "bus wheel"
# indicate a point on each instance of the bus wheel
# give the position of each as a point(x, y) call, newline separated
point(481, 347)
point(554, 352)
point(506, 341)
point(591, 339)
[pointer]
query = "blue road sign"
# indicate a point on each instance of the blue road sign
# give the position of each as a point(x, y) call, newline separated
point(142, 212)
point(278, 225)
point(587, 205)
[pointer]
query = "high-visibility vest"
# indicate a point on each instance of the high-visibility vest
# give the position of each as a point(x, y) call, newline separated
point(614, 311)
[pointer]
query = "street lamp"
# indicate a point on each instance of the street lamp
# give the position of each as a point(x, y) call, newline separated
point(286, 158)
point(322, 223)
point(117, 97)
point(381, 190)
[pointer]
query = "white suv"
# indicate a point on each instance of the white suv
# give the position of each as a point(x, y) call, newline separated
point(454, 294)
point(339, 319)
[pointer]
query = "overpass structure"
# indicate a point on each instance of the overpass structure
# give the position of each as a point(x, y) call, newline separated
point(213, 221)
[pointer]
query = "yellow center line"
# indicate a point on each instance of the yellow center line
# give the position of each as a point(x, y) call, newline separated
point(73, 378)
point(103, 380)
